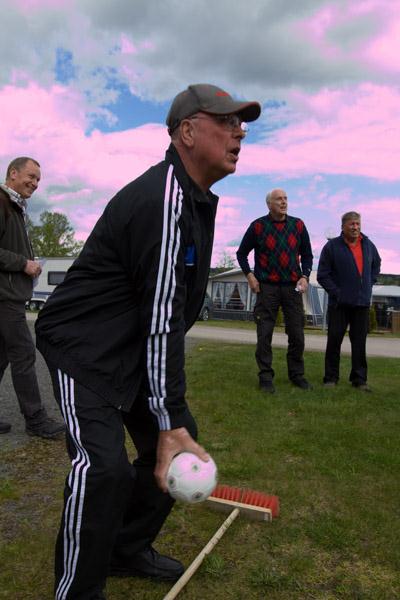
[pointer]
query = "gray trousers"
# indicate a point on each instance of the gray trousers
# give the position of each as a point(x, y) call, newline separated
point(18, 350)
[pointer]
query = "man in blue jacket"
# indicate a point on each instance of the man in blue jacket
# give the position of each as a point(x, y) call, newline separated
point(348, 268)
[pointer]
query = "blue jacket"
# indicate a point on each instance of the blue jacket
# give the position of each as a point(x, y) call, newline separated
point(339, 276)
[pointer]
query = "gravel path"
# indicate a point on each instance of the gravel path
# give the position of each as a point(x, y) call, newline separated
point(9, 408)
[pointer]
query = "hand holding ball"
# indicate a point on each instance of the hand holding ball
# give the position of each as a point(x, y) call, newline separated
point(190, 479)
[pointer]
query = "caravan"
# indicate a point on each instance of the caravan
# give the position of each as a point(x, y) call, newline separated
point(53, 273)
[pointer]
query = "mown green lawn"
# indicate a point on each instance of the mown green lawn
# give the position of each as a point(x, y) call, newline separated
point(308, 329)
point(331, 456)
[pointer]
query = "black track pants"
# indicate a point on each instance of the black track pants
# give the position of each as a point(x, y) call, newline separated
point(112, 508)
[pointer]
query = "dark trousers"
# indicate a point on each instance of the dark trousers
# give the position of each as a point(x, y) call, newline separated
point(112, 508)
point(339, 318)
point(17, 349)
point(269, 299)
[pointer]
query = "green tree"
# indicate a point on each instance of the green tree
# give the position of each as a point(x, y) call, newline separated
point(54, 236)
point(225, 262)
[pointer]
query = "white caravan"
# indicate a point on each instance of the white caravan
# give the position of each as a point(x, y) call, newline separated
point(53, 273)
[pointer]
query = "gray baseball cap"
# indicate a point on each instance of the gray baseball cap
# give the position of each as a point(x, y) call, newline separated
point(203, 97)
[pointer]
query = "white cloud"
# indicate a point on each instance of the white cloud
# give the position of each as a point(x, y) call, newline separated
point(259, 48)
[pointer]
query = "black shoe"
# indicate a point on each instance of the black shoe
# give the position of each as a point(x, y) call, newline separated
point(267, 386)
point(363, 387)
point(47, 429)
point(149, 563)
point(5, 427)
point(99, 596)
point(302, 383)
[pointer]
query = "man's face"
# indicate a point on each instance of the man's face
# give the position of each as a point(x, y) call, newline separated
point(217, 145)
point(351, 229)
point(278, 205)
point(25, 180)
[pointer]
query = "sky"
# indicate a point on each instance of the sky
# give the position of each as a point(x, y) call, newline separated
point(85, 86)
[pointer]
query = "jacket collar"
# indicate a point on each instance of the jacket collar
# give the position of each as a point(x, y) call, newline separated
point(14, 197)
point(361, 238)
point(185, 181)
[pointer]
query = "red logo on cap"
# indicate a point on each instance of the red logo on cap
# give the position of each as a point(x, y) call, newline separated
point(221, 93)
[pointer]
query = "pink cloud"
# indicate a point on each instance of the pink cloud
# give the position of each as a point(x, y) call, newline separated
point(127, 47)
point(347, 132)
point(390, 260)
point(50, 126)
point(382, 214)
point(378, 48)
point(229, 226)
point(52, 130)
point(384, 50)
point(316, 29)
point(352, 131)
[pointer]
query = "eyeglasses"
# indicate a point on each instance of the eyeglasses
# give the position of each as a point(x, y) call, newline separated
point(229, 122)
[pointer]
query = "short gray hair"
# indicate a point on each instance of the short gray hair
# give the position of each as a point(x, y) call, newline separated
point(349, 216)
point(19, 163)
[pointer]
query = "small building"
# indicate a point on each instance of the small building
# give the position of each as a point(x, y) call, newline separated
point(386, 299)
point(233, 299)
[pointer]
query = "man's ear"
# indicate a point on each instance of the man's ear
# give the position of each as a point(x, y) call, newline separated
point(187, 133)
point(12, 174)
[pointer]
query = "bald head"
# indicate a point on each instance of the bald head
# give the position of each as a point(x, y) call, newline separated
point(277, 204)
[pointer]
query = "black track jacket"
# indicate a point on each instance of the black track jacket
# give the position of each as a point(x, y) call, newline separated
point(121, 314)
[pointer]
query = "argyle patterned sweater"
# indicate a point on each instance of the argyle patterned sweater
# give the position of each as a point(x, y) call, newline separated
point(282, 250)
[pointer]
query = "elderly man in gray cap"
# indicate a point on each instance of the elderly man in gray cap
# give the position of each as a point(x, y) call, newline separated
point(113, 336)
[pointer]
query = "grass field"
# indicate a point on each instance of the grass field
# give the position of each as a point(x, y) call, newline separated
point(331, 456)
point(308, 329)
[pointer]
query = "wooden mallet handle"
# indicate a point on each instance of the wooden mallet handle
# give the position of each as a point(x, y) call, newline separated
point(182, 581)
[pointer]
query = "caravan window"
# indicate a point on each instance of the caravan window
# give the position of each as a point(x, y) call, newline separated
point(55, 277)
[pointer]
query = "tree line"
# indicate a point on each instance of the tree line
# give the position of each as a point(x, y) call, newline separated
point(54, 236)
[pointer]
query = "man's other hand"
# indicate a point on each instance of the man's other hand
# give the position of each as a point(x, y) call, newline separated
point(253, 283)
point(32, 268)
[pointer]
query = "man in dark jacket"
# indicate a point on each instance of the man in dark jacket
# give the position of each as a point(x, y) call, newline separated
point(348, 267)
point(17, 271)
point(113, 336)
point(281, 244)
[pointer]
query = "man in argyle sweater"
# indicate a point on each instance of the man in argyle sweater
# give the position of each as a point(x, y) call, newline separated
point(282, 265)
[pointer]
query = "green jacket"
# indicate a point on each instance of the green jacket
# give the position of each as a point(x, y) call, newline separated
point(15, 250)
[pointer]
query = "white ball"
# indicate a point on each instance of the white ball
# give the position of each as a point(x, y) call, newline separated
point(191, 479)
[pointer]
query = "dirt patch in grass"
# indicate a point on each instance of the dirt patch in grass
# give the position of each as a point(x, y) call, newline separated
point(28, 483)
